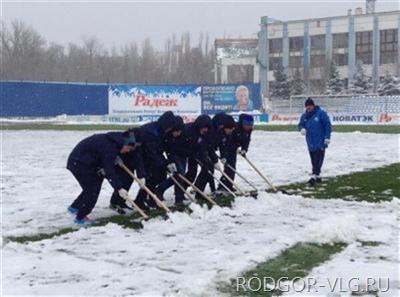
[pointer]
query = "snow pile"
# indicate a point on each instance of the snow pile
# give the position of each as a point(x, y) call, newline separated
point(335, 229)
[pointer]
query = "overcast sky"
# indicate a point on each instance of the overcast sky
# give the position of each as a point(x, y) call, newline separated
point(118, 22)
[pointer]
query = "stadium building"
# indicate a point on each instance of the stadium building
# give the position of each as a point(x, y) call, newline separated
point(310, 45)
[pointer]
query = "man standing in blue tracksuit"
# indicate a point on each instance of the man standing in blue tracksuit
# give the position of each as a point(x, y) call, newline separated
point(93, 159)
point(316, 126)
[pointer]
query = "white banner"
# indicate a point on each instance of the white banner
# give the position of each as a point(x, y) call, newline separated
point(137, 100)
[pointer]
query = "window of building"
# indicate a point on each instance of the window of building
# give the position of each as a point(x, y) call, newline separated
point(317, 42)
point(388, 46)
point(364, 46)
point(317, 61)
point(295, 61)
point(275, 62)
point(275, 45)
point(340, 40)
point(340, 59)
point(240, 73)
point(296, 43)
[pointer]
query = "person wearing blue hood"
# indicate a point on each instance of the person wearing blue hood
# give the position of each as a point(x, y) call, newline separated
point(201, 151)
point(90, 161)
point(177, 152)
point(315, 125)
point(151, 136)
point(227, 148)
point(241, 137)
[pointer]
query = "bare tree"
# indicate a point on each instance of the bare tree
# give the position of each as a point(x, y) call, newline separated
point(25, 55)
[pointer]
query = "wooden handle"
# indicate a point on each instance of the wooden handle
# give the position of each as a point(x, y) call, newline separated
point(197, 189)
point(143, 186)
point(182, 188)
point(139, 210)
point(260, 174)
point(231, 181)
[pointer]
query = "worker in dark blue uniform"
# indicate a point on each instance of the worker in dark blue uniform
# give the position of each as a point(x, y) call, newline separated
point(151, 136)
point(201, 151)
point(177, 152)
point(227, 148)
point(134, 161)
point(93, 159)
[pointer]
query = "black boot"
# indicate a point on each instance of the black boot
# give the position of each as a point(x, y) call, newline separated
point(312, 181)
point(142, 205)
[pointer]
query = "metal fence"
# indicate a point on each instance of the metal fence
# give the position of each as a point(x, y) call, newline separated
point(355, 104)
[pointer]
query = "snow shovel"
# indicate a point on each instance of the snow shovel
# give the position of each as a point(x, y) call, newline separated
point(129, 201)
point(217, 180)
point(241, 176)
point(143, 186)
point(231, 181)
point(191, 198)
point(262, 176)
point(209, 199)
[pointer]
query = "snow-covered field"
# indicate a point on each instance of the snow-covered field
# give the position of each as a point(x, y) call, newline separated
point(188, 255)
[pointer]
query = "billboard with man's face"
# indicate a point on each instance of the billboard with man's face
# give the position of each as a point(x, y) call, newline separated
point(230, 98)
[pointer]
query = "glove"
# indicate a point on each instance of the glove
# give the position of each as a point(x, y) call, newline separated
point(327, 141)
point(242, 152)
point(101, 172)
point(123, 193)
point(303, 131)
point(142, 182)
point(223, 160)
point(118, 161)
point(217, 166)
point(171, 167)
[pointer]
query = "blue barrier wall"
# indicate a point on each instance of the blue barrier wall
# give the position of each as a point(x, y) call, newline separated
point(52, 99)
point(46, 99)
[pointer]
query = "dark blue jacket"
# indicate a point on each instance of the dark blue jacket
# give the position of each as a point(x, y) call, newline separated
point(152, 136)
point(241, 138)
point(225, 143)
point(96, 152)
point(318, 128)
point(199, 146)
point(176, 146)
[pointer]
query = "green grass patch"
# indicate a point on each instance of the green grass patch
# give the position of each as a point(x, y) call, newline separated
point(388, 129)
point(294, 262)
point(132, 221)
point(379, 184)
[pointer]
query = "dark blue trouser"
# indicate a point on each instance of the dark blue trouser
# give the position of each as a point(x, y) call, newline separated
point(90, 182)
point(203, 178)
point(180, 163)
point(154, 177)
point(231, 160)
point(317, 159)
point(125, 179)
point(211, 180)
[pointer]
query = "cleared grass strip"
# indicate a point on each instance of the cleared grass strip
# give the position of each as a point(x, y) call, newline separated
point(294, 262)
point(375, 185)
point(132, 221)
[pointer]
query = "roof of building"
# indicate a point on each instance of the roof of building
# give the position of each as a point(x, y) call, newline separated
point(276, 22)
point(232, 41)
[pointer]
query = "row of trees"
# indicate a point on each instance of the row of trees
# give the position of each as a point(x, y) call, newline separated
point(285, 87)
point(26, 55)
